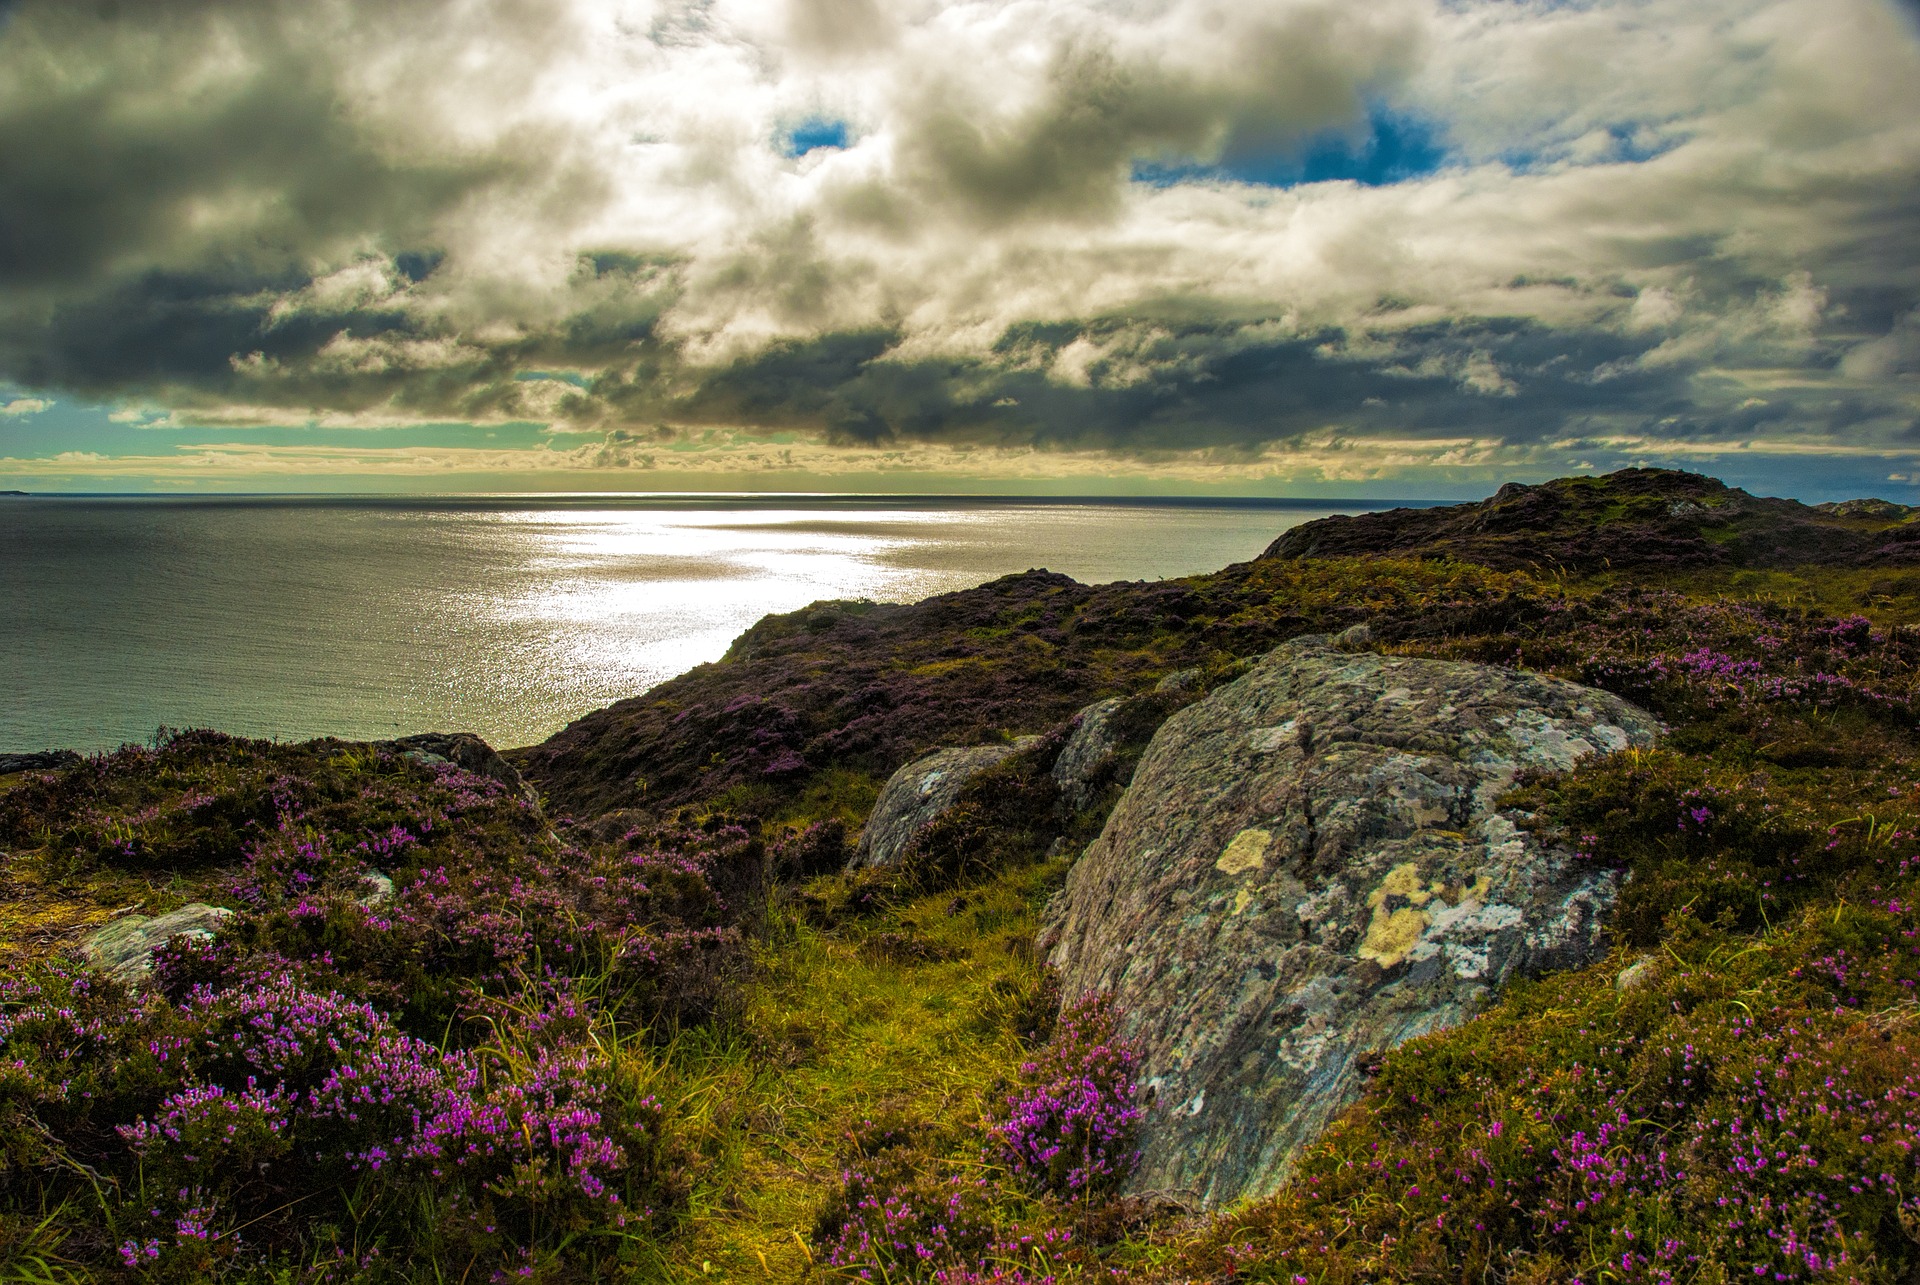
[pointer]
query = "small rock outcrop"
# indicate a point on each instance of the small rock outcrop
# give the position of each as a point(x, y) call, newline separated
point(125, 948)
point(463, 750)
point(1309, 869)
point(918, 793)
point(1096, 738)
point(42, 761)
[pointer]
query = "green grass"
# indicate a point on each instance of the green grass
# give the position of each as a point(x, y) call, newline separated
point(841, 1027)
point(1887, 595)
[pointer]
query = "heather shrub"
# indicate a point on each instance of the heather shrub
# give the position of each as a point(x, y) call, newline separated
point(1069, 1127)
point(944, 1230)
point(806, 853)
point(1738, 829)
point(197, 799)
point(429, 1034)
point(244, 1120)
point(661, 911)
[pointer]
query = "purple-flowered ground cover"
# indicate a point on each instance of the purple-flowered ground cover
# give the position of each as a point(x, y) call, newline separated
point(453, 1066)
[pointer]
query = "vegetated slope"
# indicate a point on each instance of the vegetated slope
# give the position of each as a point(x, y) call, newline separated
point(826, 701)
point(1643, 519)
point(1730, 1095)
point(420, 1046)
point(805, 702)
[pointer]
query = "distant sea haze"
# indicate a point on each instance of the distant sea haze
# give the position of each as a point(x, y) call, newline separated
point(293, 617)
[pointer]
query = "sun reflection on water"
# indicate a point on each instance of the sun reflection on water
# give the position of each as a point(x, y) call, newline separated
point(299, 619)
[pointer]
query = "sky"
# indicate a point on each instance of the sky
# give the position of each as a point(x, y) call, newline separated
point(1261, 247)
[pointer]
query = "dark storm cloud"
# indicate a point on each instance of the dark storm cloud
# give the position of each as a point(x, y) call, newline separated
point(1102, 108)
point(123, 136)
point(1202, 387)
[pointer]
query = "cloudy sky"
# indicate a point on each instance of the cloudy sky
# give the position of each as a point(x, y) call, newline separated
point(1400, 247)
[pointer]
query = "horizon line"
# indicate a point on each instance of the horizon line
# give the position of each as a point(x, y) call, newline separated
point(862, 497)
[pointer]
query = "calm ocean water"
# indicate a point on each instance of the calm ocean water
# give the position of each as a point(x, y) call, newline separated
point(506, 616)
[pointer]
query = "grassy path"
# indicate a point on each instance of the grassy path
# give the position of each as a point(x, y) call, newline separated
point(915, 1013)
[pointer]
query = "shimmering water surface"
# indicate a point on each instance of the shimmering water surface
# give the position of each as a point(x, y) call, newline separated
point(506, 616)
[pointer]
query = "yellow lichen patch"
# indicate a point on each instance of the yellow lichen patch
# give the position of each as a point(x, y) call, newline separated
point(1242, 900)
point(1402, 881)
point(1245, 851)
point(1392, 932)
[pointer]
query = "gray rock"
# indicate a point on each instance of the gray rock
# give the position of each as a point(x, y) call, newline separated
point(1635, 975)
point(463, 750)
point(1354, 638)
point(125, 948)
point(379, 888)
point(1094, 740)
point(1307, 870)
point(1179, 682)
point(42, 761)
point(918, 793)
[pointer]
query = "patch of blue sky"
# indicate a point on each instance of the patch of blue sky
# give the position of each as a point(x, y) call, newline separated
point(815, 134)
point(573, 377)
point(1624, 142)
point(1395, 147)
point(64, 424)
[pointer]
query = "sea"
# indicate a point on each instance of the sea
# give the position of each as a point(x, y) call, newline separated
point(507, 615)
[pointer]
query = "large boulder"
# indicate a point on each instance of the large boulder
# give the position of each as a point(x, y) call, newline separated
point(918, 793)
point(1308, 869)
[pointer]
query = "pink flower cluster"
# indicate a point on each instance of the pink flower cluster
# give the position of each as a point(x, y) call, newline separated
point(1071, 1126)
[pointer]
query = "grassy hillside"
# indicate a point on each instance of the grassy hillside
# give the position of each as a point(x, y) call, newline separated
point(668, 1044)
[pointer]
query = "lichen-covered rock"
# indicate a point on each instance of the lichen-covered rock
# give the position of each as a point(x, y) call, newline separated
point(1308, 869)
point(125, 947)
point(1095, 738)
point(920, 792)
point(1180, 682)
